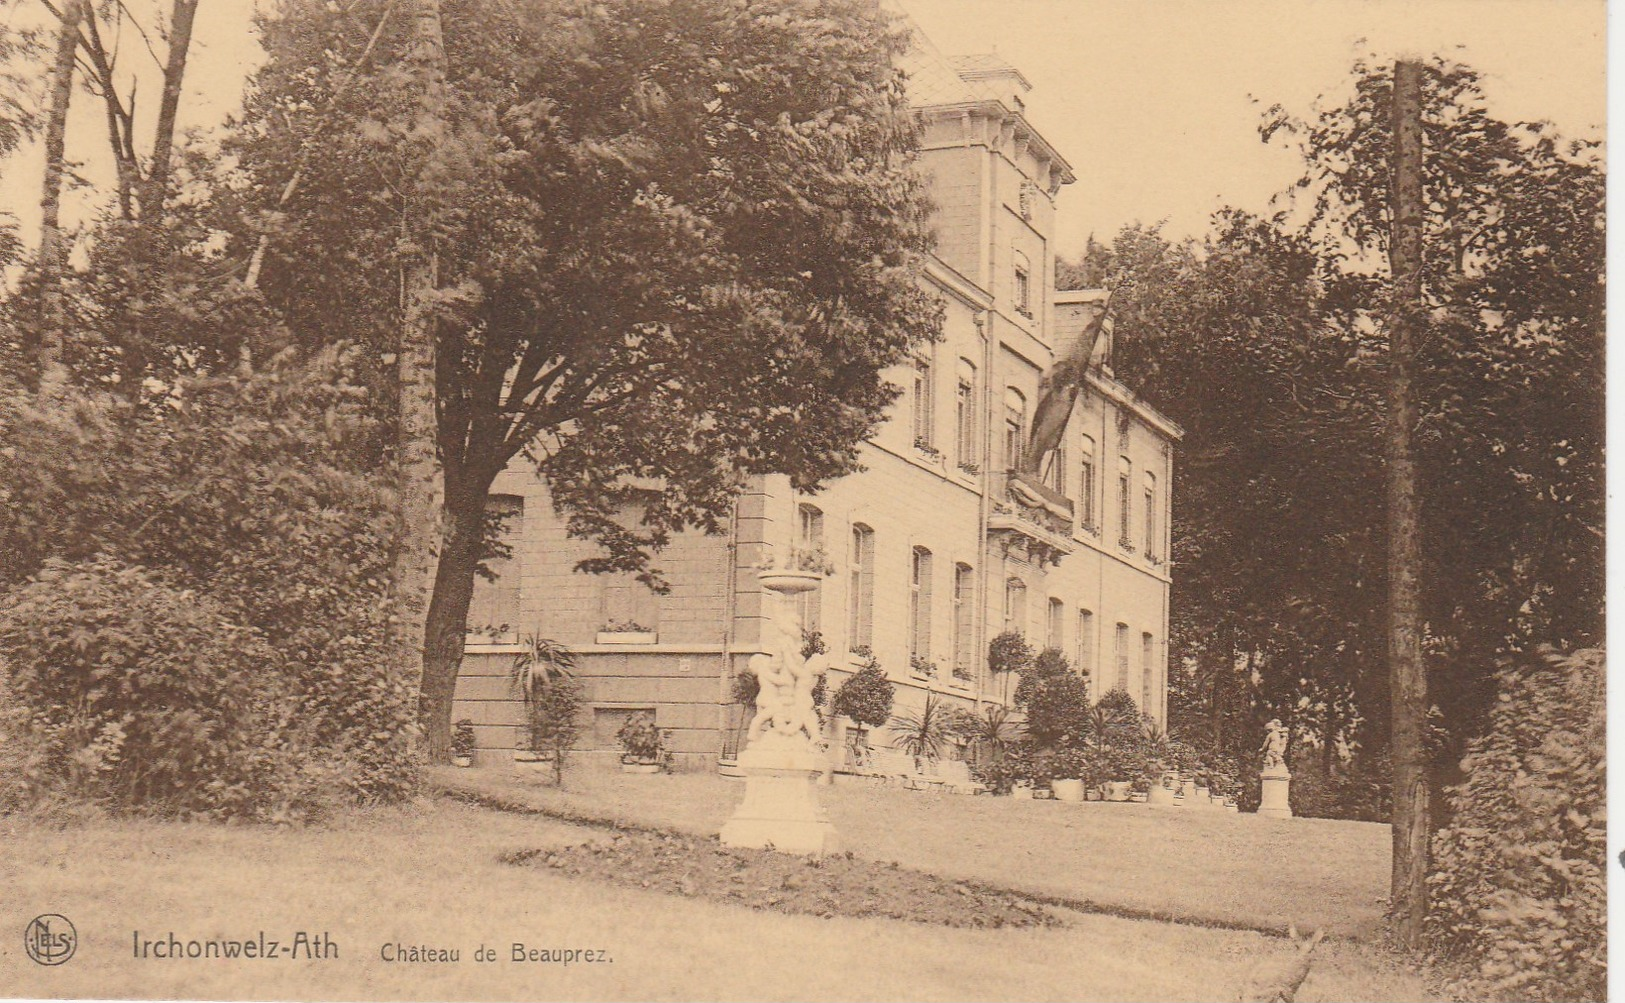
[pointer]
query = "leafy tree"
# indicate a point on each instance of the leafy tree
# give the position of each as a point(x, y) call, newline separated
point(693, 269)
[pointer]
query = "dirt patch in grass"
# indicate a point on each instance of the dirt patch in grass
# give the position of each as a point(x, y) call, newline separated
point(839, 885)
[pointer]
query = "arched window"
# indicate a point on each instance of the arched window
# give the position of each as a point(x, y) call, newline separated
point(1015, 428)
point(1086, 643)
point(965, 413)
point(1151, 548)
point(1015, 605)
point(810, 537)
point(1125, 481)
point(1055, 626)
point(919, 612)
point(861, 589)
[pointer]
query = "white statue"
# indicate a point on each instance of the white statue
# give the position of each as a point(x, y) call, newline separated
point(784, 704)
point(1274, 747)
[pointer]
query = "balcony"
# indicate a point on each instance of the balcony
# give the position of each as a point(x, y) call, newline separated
point(1031, 519)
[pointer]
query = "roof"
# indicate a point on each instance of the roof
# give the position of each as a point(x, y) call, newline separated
point(932, 78)
point(985, 65)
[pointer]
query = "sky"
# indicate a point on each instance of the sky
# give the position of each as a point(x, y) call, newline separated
point(1155, 103)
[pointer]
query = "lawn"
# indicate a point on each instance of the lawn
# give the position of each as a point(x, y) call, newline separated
point(430, 875)
point(1197, 866)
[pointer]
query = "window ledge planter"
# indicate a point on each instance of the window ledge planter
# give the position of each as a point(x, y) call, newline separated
point(790, 581)
point(626, 637)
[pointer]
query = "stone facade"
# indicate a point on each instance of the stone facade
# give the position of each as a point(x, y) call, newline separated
point(936, 546)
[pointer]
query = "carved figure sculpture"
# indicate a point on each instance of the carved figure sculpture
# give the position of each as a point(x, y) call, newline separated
point(785, 711)
point(1274, 747)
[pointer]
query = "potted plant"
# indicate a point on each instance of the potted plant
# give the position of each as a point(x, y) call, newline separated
point(864, 698)
point(540, 676)
point(626, 632)
point(993, 737)
point(1069, 767)
point(923, 667)
point(462, 743)
point(643, 746)
point(922, 733)
point(803, 570)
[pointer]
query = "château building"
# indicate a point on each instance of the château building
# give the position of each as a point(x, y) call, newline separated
point(958, 528)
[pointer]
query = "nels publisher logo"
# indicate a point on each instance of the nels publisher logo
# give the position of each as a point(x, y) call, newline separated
point(50, 939)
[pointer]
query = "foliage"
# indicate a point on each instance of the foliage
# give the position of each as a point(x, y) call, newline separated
point(1077, 763)
point(1000, 774)
point(1055, 700)
point(540, 663)
point(746, 687)
point(555, 720)
point(462, 738)
point(923, 733)
point(248, 490)
point(148, 698)
point(697, 267)
point(991, 736)
point(640, 740)
point(1008, 652)
point(1278, 610)
point(866, 695)
point(1519, 877)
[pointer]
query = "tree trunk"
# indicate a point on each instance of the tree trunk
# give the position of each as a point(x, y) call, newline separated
point(1407, 671)
point(447, 621)
point(163, 142)
point(52, 254)
point(418, 468)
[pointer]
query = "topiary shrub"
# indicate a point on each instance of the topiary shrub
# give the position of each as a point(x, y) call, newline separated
point(1008, 652)
point(140, 696)
point(866, 695)
point(1055, 700)
point(1518, 887)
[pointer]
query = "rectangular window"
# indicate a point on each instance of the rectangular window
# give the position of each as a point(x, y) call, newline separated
point(919, 611)
point(1024, 289)
point(1086, 489)
point(810, 537)
point(1055, 628)
point(493, 609)
point(924, 403)
point(1146, 677)
point(965, 414)
point(624, 604)
point(964, 621)
point(1086, 642)
point(1055, 473)
point(1122, 657)
point(861, 589)
point(1015, 606)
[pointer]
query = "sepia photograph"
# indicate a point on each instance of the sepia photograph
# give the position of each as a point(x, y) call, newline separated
point(787, 500)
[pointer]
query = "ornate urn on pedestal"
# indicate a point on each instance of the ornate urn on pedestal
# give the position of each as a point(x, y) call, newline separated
point(781, 761)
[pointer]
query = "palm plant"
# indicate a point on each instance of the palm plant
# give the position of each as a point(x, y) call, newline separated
point(541, 662)
point(923, 733)
point(991, 732)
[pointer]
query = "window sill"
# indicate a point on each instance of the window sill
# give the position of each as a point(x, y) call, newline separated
point(626, 637)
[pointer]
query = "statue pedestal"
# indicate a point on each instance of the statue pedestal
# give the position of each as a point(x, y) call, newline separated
point(1275, 802)
point(781, 810)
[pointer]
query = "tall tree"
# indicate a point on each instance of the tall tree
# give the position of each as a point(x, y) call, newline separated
point(417, 463)
point(677, 243)
point(1408, 672)
point(52, 252)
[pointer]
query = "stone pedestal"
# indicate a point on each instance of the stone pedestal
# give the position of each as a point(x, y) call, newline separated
point(781, 809)
point(1275, 802)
